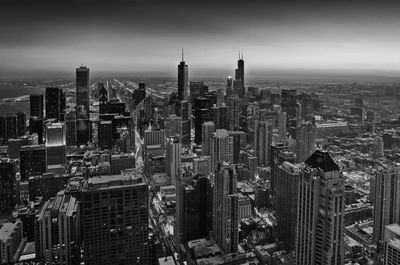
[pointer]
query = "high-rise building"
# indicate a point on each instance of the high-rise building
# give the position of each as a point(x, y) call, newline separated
point(154, 137)
point(305, 140)
point(36, 104)
point(320, 213)
point(183, 109)
point(229, 87)
point(7, 185)
point(55, 134)
point(234, 108)
point(288, 176)
point(36, 126)
point(82, 92)
point(83, 130)
point(221, 148)
point(279, 154)
point(8, 128)
point(11, 238)
point(105, 135)
point(392, 244)
point(58, 231)
point(202, 113)
point(226, 208)
point(239, 77)
point(220, 117)
point(386, 200)
point(21, 123)
point(207, 130)
point(262, 142)
point(197, 89)
point(289, 104)
point(139, 94)
point(115, 219)
point(70, 129)
point(173, 159)
point(183, 80)
point(53, 103)
point(198, 208)
point(32, 161)
point(173, 126)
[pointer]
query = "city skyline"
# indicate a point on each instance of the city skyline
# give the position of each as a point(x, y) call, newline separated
point(357, 38)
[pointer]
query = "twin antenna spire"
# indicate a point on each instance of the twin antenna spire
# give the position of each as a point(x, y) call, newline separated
point(240, 57)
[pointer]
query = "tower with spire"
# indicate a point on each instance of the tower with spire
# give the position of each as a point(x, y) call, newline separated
point(183, 93)
point(238, 85)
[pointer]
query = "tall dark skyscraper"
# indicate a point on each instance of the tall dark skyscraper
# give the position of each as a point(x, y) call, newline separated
point(32, 161)
point(82, 92)
point(198, 208)
point(53, 103)
point(239, 77)
point(36, 104)
point(183, 80)
point(7, 185)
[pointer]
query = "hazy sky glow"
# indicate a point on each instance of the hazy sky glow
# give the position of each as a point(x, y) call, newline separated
point(147, 36)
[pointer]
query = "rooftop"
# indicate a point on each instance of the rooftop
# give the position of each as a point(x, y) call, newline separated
point(322, 160)
point(126, 178)
point(7, 230)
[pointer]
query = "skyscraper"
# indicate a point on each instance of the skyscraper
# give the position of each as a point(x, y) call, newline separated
point(82, 92)
point(173, 126)
point(239, 76)
point(115, 219)
point(53, 100)
point(202, 113)
point(305, 140)
point(197, 89)
point(173, 159)
point(262, 142)
point(226, 208)
point(7, 185)
point(55, 134)
point(289, 104)
point(57, 228)
point(234, 108)
point(221, 148)
point(183, 109)
point(386, 200)
point(229, 87)
point(183, 80)
point(36, 104)
point(288, 176)
point(198, 208)
point(70, 129)
point(320, 213)
point(207, 130)
point(32, 161)
point(105, 135)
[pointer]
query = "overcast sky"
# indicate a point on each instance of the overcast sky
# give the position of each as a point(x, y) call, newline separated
point(147, 36)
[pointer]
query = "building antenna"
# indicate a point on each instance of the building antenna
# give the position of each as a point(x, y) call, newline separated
point(182, 54)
